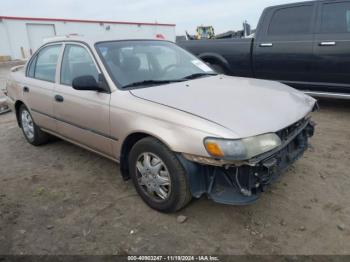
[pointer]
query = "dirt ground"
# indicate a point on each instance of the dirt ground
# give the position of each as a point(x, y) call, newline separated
point(61, 199)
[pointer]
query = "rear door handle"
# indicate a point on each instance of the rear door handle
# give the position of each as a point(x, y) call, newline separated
point(266, 45)
point(26, 89)
point(329, 43)
point(59, 98)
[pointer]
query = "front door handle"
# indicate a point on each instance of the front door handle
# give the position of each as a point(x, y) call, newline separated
point(329, 43)
point(26, 89)
point(59, 98)
point(266, 45)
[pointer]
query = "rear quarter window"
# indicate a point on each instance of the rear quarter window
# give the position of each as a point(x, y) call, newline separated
point(31, 69)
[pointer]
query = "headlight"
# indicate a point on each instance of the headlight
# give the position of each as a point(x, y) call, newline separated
point(241, 149)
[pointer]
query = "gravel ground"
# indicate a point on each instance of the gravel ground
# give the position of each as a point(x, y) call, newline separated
point(61, 199)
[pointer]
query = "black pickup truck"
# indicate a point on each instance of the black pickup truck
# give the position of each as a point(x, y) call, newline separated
point(305, 45)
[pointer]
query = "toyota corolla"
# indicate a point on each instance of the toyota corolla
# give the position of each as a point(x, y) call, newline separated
point(177, 128)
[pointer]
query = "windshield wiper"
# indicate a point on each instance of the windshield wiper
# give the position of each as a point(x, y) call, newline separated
point(152, 82)
point(163, 82)
point(197, 75)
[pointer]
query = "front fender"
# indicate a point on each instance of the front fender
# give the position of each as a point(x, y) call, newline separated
point(179, 131)
point(177, 138)
point(215, 58)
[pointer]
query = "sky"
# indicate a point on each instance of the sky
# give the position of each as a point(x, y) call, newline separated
point(223, 15)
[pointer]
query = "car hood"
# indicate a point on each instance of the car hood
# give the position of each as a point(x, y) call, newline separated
point(246, 106)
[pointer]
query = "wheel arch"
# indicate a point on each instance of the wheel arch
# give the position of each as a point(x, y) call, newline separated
point(217, 59)
point(18, 104)
point(127, 145)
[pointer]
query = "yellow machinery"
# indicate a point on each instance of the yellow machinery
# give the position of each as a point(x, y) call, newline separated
point(205, 32)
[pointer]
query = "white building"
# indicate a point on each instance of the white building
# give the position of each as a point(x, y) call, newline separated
point(21, 36)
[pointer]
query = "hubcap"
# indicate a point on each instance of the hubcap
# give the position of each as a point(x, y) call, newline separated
point(153, 176)
point(27, 124)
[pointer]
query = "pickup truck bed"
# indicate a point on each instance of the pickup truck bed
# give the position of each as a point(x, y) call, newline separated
point(305, 45)
point(231, 56)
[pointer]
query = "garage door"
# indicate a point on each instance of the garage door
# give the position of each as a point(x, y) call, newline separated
point(37, 33)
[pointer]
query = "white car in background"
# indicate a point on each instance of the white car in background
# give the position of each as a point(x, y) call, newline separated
point(4, 108)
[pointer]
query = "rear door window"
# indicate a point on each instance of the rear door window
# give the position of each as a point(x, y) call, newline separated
point(292, 21)
point(335, 18)
point(46, 63)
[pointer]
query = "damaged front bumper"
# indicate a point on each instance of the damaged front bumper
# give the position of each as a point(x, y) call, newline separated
point(242, 184)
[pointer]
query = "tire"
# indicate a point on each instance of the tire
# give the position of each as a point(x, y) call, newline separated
point(178, 191)
point(35, 135)
point(218, 69)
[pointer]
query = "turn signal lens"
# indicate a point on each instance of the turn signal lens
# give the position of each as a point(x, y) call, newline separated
point(214, 149)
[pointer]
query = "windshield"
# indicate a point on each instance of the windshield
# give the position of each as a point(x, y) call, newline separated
point(147, 63)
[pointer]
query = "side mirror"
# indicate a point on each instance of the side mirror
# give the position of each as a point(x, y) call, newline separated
point(87, 83)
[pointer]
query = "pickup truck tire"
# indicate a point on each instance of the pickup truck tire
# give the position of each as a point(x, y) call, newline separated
point(33, 134)
point(164, 173)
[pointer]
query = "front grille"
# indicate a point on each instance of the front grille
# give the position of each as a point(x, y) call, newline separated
point(285, 133)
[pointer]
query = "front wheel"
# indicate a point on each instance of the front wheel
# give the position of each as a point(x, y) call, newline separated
point(158, 176)
point(33, 134)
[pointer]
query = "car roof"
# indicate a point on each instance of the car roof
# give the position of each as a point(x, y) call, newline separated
point(92, 40)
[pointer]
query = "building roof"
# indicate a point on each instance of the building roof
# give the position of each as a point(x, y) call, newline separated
point(80, 21)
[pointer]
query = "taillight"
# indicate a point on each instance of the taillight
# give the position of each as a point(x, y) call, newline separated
point(4, 90)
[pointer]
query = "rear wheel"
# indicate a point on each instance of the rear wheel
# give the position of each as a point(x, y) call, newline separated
point(158, 176)
point(31, 131)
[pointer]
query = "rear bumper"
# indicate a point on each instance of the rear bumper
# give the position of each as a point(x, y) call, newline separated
point(242, 185)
